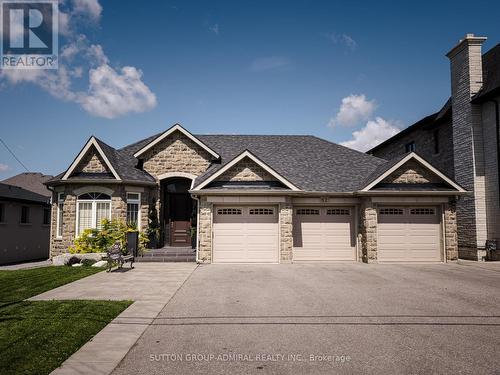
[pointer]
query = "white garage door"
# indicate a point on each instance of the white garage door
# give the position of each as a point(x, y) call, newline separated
point(409, 234)
point(324, 233)
point(245, 234)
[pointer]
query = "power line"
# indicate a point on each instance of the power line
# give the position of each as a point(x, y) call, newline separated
point(14, 155)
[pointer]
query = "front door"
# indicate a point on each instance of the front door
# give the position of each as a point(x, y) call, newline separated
point(181, 207)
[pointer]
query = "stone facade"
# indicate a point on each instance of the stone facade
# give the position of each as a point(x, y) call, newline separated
point(92, 162)
point(205, 230)
point(466, 81)
point(176, 153)
point(450, 231)
point(246, 170)
point(71, 191)
point(286, 232)
point(368, 231)
point(412, 172)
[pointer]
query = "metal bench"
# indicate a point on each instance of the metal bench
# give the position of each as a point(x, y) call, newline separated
point(115, 255)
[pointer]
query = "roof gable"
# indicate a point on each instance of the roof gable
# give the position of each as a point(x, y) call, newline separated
point(411, 170)
point(92, 153)
point(231, 169)
point(164, 135)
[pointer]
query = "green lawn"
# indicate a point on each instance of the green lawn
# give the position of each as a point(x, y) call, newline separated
point(36, 337)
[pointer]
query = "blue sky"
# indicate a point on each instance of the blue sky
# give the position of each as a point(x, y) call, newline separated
point(243, 67)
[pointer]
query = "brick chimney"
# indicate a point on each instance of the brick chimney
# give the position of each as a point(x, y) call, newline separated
point(466, 81)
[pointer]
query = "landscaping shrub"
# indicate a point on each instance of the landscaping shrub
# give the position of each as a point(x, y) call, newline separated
point(88, 262)
point(73, 260)
point(99, 240)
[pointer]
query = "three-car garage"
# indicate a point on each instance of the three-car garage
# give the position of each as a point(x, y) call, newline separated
point(251, 234)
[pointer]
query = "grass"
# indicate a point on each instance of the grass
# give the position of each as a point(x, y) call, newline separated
point(36, 337)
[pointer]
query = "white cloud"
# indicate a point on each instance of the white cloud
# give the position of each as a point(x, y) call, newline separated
point(215, 29)
point(373, 133)
point(89, 8)
point(4, 167)
point(269, 63)
point(344, 39)
point(110, 93)
point(353, 109)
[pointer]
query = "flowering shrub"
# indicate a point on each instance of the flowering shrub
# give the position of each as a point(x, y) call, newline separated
point(99, 240)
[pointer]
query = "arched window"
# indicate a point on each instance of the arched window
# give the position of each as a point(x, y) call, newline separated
point(91, 209)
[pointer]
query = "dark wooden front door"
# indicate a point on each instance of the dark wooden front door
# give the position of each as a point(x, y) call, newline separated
point(181, 207)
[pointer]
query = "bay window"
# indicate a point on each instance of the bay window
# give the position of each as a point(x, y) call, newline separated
point(92, 209)
point(134, 209)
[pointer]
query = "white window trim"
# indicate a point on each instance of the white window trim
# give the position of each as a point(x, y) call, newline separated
point(94, 211)
point(60, 201)
point(137, 201)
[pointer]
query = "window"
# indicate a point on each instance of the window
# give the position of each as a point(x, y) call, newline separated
point(410, 147)
point(60, 211)
point(307, 211)
point(92, 209)
point(436, 141)
point(229, 211)
point(25, 215)
point(338, 211)
point(422, 211)
point(391, 211)
point(2, 212)
point(134, 209)
point(261, 211)
point(46, 216)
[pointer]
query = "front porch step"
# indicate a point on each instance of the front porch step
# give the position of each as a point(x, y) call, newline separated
point(168, 254)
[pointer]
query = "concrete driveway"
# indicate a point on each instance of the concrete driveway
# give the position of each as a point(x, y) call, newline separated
point(326, 318)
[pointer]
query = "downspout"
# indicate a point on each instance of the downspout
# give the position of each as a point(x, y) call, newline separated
point(197, 225)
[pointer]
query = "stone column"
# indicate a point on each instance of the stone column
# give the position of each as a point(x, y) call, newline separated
point(205, 231)
point(450, 231)
point(368, 231)
point(286, 232)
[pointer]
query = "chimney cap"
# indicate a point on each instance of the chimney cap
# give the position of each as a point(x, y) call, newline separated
point(470, 39)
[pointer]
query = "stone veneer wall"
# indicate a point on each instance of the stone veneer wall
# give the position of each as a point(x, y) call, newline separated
point(450, 231)
point(118, 210)
point(286, 232)
point(412, 173)
point(176, 153)
point(368, 231)
point(246, 170)
point(92, 162)
point(205, 231)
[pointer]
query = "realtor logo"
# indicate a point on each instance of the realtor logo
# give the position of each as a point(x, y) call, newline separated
point(29, 38)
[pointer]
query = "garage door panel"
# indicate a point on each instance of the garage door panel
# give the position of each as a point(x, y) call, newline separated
point(409, 234)
point(246, 234)
point(323, 233)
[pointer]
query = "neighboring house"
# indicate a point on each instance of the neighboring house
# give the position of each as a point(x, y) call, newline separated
point(462, 140)
point(261, 198)
point(32, 181)
point(24, 225)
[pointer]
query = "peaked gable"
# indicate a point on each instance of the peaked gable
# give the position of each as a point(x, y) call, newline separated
point(249, 160)
point(246, 170)
point(175, 128)
point(92, 162)
point(412, 170)
point(91, 159)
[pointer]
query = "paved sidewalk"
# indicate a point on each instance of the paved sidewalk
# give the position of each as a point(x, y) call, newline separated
point(150, 285)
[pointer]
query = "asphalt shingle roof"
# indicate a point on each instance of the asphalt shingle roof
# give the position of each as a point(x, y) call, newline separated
point(16, 193)
point(32, 181)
